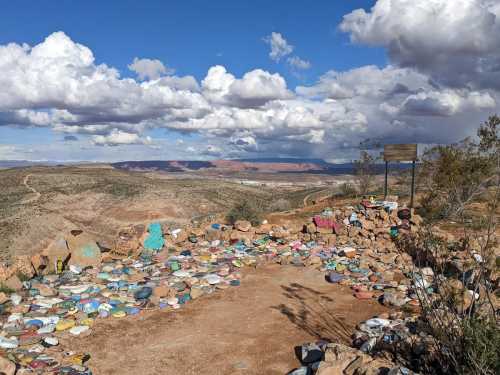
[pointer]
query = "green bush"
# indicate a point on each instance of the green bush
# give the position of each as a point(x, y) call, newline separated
point(245, 210)
point(458, 174)
point(481, 347)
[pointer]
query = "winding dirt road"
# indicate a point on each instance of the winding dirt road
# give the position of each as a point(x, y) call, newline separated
point(37, 194)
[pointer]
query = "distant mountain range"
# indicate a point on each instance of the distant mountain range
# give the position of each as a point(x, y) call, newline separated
point(25, 163)
point(264, 165)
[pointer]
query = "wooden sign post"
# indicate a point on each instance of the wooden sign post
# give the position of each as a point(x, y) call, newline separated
point(401, 152)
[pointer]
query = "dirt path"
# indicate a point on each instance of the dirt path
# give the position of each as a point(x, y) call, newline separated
point(37, 194)
point(251, 329)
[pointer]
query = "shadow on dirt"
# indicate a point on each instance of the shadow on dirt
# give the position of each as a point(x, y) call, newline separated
point(314, 312)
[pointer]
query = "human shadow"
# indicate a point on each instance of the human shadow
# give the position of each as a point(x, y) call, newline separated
point(314, 312)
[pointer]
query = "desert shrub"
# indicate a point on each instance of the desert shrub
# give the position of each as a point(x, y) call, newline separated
point(280, 204)
point(5, 289)
point(456, 175)
point(481, 346)
point(245, 210)
point(347, 190)
point(461, 314)
point(364, 169)
point(121, 190)
point(23, 277)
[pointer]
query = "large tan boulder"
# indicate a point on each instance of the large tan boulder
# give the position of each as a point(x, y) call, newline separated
point(84, 250)
point(22, 264)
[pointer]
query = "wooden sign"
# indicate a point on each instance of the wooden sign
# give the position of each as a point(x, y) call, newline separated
point(401, 152)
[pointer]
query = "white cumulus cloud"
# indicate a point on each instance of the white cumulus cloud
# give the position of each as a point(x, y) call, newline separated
point(279, 46)
point(117, 137)
point(455, 42)
point(149, 68)
point(297, 63)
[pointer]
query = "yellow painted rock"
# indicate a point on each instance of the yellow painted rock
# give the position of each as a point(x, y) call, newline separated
point(63, 325)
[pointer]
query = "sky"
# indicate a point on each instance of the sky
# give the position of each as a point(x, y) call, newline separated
point(139, 80)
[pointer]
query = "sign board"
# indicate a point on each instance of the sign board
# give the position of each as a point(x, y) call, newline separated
point(401, 152)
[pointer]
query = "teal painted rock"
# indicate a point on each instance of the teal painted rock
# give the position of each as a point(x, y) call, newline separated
point(155, 240)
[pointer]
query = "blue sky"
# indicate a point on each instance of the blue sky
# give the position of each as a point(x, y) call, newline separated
point(192, 36)
point(346, 62)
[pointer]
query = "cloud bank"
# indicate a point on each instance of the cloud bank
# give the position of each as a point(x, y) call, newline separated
point(443, 79)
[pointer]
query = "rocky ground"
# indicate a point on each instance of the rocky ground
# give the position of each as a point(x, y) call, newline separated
point(218, 298)
point(252, 329)
point(37, 204)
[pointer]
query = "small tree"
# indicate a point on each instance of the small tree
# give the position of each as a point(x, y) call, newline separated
point(365, 170)
point(455, 175)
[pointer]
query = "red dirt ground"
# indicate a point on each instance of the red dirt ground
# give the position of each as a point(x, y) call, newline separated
point(251, 329)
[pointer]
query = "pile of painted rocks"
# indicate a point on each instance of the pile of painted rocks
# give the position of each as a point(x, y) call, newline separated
point(76, 280)
point(323, 358)
point(395, 335)
point(361, 253)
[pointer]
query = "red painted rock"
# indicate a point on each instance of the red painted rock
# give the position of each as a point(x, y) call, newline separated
point(363, 295)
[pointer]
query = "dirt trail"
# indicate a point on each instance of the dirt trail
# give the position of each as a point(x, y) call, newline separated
point(37, 194)
point(251, 329)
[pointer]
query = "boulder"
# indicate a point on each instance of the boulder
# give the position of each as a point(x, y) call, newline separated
point(263, 229)
point(13, 283)
point(242, 225)
point(330, 368)
point(278, 231)
point(45, 290)
point(22, 264)
point(309, 228)
point(3, 298)
point(84, 250)
point(39, 263)
point(359, 363)
point(241, 236)
point(339, 352)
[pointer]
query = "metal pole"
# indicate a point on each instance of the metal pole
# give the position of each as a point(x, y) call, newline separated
point(412, 183)
point(385, 184)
